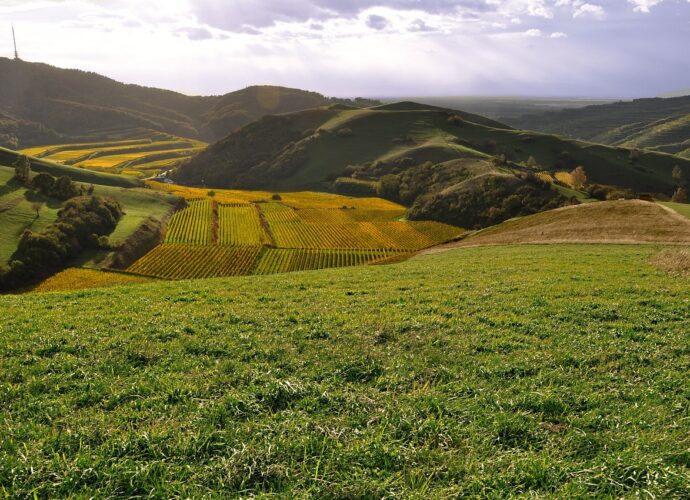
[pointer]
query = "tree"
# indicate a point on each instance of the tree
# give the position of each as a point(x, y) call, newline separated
point(36, 207)
point(578, 177)
point(635, 155)
point(22, 169)
point(532, 162)
point(680, 196)
point(389, 187)
point(44, 183)
point(679, 177)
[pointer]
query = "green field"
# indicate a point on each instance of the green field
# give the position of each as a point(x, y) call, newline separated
point(681, 208)
point(543, 371)
point(17, 214)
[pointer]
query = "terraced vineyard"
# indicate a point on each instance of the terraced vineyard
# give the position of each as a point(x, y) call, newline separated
point(145, 156)
point(227, 233)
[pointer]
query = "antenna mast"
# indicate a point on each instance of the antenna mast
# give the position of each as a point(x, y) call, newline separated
point(14, 39)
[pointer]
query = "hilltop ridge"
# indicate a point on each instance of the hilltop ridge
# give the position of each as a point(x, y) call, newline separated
point(40, 103)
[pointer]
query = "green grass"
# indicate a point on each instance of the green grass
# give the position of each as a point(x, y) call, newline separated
point(546, 371)
point(681, 208)
point(16, 213)
point(139, 205)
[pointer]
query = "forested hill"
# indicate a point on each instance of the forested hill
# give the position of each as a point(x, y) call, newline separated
point(39, 102)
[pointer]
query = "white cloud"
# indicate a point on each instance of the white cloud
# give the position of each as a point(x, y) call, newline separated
point(644, 5)
point(421, 46)
point(589, 10)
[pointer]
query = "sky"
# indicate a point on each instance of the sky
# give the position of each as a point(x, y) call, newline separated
point(372, 48)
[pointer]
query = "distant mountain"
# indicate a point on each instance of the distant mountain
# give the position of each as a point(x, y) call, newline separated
point(432, 159)
point(661, 124)
point(39, 102)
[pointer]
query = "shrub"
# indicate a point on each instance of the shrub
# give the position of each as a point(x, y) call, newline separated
point(578, 177)
point(456, 121)
point(680, 196)
point(344, 132)
point(43, 183)
point(276, 197)
point(488, 201)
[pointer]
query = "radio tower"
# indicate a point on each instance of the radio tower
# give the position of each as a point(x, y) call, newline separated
point(14, 39)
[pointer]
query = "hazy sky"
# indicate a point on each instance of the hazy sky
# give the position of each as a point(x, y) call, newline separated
point(595, 48)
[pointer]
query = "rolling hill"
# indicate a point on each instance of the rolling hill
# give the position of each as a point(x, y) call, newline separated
point(41, 104)
point(554, 371)
point(630, 221)
point(661, 124)
point(422, 156)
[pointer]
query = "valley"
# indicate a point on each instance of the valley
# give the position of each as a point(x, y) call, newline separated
point(272, 293)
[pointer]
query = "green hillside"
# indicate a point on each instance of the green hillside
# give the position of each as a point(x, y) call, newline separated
point(306, 149)
point(661, 123)
point(18, 213)
point(409, 152)
point(42, 104)
point(544, 371)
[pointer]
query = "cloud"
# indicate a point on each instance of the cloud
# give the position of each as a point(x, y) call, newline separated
point(589, 10)
point(335, 46)
point(644, 5)
point(418, 25)
point(197, 33)
point(377, 23)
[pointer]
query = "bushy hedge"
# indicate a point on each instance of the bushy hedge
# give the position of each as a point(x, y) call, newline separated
point(61, 188)
point(79, 225)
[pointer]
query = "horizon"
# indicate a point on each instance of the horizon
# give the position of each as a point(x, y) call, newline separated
point(386, 49)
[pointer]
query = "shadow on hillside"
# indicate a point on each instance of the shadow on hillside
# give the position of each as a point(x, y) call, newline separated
point(10, 186)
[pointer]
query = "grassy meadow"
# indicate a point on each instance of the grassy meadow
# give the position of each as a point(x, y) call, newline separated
point(551, 371)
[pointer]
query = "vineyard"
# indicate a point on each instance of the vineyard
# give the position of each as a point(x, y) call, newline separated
point(173, 261)
point(192, 225)
point(145, 156)
point(230, 232)
point(240, 225)
point(279, 260)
